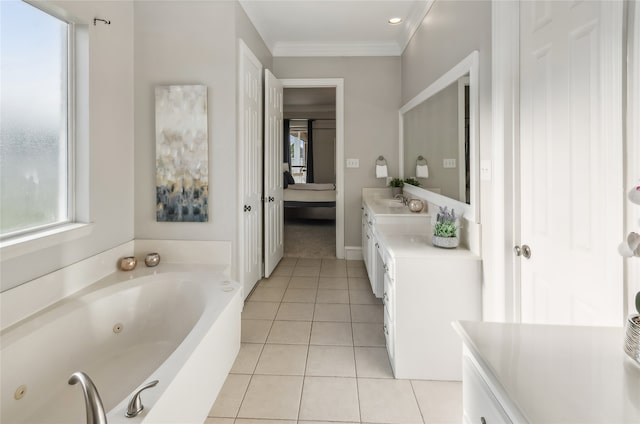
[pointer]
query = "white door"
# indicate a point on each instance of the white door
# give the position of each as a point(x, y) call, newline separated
point(249, 168)
point(571, 162)
point(273, 179)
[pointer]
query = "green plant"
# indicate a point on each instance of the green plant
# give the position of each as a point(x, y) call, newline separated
point(445, 223)
point(396, 182)
point(412, 181)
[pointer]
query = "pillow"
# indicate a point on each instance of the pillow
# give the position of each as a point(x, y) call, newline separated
point(288, 178)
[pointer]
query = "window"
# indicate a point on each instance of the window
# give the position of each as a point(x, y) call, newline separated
point(35, 136)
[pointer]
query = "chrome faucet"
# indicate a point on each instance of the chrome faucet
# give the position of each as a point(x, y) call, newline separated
point(402, 198)
point(93, 403)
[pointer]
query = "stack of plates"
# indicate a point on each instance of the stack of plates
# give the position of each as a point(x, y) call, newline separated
point(632, 339)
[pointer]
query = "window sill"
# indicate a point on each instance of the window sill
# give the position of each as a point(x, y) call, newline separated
point(30, 243)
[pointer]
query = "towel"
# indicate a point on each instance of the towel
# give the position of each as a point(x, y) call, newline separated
point(422, 171)
point(381, 171)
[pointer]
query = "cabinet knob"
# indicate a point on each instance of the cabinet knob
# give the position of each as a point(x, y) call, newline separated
point(386, 330)
point(482, 420)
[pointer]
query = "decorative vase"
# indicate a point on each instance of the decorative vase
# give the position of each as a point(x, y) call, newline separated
point(445, 242)
point(395, 191)
point(415, 205)
point(152, 259)
point(127, 263)
point(632, 338)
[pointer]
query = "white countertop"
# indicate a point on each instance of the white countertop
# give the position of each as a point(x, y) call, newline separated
point(401, 244)
point(557, 374)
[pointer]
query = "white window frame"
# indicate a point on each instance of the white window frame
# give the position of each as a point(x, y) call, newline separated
point(36, 238)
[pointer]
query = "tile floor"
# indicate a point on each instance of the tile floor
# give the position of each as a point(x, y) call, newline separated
point(313, 351)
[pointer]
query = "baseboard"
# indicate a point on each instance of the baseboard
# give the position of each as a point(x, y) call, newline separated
point(353, 253)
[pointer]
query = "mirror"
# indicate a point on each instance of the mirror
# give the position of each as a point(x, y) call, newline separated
point(438, 139)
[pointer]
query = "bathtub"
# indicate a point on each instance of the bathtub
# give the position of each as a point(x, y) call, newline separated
point(181, 328)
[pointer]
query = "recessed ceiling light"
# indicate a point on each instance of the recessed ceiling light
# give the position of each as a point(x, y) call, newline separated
point(395, 21)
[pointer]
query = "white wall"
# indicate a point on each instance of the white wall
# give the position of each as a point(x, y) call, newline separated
point(371, 103)
point(190, 43)
point(451, 31)
point(110, 143)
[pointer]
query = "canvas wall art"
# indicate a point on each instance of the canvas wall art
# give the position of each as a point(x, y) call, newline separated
point(182, 168)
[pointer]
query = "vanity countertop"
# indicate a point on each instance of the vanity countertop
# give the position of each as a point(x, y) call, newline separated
point(556, 374)
point(377, 200)
point(417, 244)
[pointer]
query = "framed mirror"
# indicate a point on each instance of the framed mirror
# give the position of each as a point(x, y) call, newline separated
point(439, 140)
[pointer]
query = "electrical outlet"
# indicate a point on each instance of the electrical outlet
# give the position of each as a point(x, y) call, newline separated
point(353, 163)
point(448, 163)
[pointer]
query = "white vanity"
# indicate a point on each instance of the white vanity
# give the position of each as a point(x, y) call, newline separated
point(519, 373)
point(423, 288)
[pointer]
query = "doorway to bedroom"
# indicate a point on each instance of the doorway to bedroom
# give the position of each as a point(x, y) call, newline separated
point(310, 172)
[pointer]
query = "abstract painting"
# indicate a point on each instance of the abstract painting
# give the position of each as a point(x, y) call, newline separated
point(182, 167)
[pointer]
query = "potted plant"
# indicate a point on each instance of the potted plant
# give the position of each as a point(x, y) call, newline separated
point(445, 230)
point(396, 185)
point(412, 181)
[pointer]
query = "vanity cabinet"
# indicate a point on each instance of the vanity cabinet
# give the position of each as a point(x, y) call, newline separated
point(423, 289)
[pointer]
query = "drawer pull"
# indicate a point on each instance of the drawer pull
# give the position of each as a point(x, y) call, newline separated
point(386, 330)
point(386, 268)
point(368, 237)
point(377, 246)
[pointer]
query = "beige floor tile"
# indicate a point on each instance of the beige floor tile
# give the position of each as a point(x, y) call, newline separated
point(257, 421)
point(332, 296)
point(254, 330)
point(306, 271)
point(267, 294)
point(303, 283)
point(359, 283)
point(373, 362)
point(439, 401)
point(367, 313)
point(333, 283)
point(295, 312)
point(290, 332)
point(274, 282)
point(333, 268)
point(288, 261)
point(272, 397)
point(279, 359)
point(363, 297)
point(367, 334)
point(332, 312)
point(330, 399)
point(247, 358)
point(324, 422)
point(215, 420)
point(331, 361)
point(309, 262)
point(331, 334)
point(260, 310)
point(388, 401)
point(300, 295)
point(357, 272)
point(283, 270)
point(230, 397)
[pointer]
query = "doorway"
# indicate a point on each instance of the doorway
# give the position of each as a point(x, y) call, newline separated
point(314, 220)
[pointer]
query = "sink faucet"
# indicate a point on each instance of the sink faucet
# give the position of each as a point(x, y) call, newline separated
point(401, 197)
point(95, 410)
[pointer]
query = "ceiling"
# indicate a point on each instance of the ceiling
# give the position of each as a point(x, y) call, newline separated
point(335, 27)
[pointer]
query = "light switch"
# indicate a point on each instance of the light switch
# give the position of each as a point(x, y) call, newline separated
point(485, 170)
point(353, 163)
point(448, 163)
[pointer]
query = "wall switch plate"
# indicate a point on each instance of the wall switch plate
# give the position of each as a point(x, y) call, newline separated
point(353, 163)
point(448, 163)
point(485, 170)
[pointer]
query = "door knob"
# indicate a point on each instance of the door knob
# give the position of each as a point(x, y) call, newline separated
point(524, 251)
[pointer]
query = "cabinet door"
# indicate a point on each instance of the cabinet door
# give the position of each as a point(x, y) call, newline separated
point(479, 405)
point(365, 243)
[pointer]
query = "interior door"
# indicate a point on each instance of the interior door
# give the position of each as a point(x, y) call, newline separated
point(571, 162)
point(273, 180)
point(249, 168)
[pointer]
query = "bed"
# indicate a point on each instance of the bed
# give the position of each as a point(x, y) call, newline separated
point(312, 195)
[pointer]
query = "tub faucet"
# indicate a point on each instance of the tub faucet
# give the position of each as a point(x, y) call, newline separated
point(135, 404)
point(95, 410)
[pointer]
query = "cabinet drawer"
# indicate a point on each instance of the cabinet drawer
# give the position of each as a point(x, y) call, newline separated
point(479, 405)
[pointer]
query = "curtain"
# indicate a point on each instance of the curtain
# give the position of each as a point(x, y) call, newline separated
point(286, 144)
point(310, 151)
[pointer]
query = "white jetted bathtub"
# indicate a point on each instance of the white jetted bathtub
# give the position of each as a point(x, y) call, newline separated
point(181, 328)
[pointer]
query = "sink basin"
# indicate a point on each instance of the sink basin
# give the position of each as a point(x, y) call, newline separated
point(391, 203)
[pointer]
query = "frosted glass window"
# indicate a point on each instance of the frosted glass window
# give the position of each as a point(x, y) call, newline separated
point(34, 127)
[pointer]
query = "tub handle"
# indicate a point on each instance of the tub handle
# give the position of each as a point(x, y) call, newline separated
point(135, 404)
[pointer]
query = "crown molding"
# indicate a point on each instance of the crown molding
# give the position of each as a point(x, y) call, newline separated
point(335, 49)
point(413, 23)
